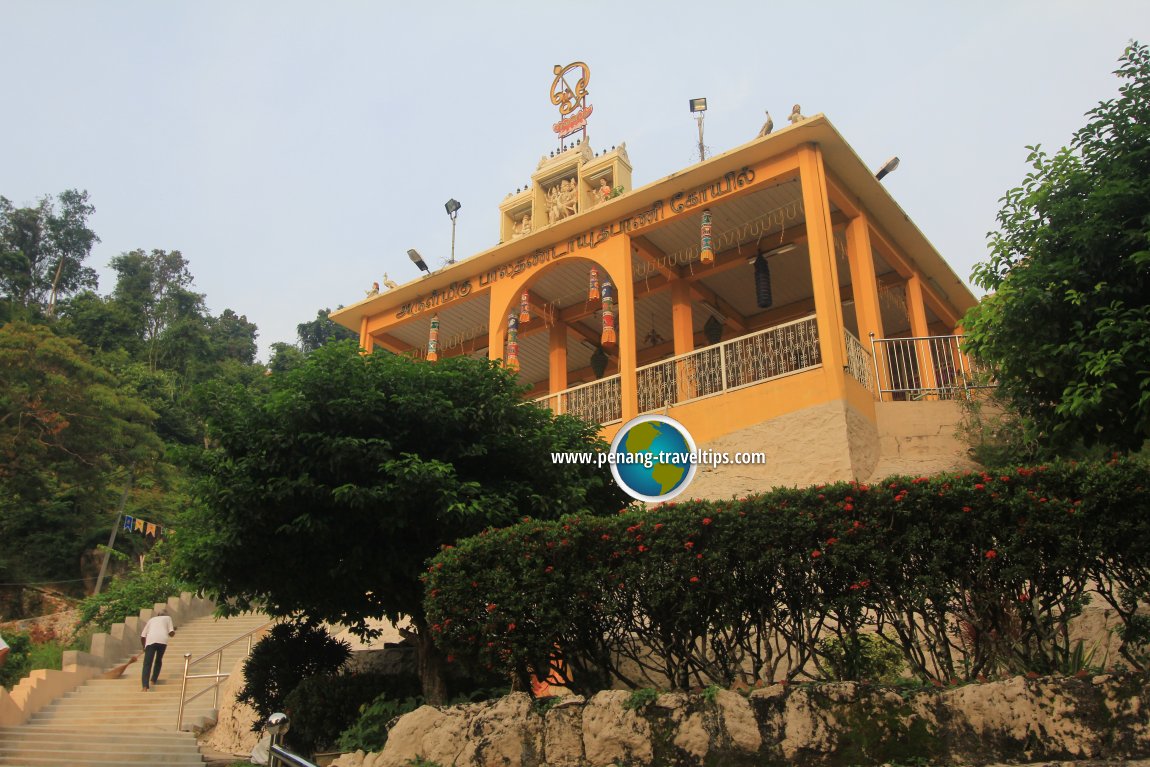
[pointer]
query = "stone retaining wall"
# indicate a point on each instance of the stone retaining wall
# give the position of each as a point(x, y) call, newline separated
point(809, 725)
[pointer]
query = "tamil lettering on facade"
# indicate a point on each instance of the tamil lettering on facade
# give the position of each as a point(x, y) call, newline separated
point(436, 299)
point(462, 288)
point(680, 201)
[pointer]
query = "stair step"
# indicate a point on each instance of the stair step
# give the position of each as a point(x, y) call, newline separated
point(112, 723)
point(101, 760)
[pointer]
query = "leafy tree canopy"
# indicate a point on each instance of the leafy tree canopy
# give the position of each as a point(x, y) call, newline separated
point(42, 253)
point(329, 490)
point(1067, 328)
point(68, 429)
point(320, 331)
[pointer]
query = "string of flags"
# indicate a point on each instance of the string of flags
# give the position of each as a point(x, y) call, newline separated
point(136, 525)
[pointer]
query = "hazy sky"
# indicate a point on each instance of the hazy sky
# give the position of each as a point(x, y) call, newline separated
point(294, 151)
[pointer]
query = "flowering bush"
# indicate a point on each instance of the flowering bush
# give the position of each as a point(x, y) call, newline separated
point(965, 574)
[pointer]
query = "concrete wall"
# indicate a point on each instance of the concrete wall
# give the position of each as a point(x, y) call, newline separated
point(834, 441)
point(43, 686)
point(920, 438)
point(822, 443)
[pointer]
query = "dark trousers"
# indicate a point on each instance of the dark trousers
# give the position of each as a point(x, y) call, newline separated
point(153, 661)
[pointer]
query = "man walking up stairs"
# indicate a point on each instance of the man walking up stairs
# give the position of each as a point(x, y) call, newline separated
point(110, 723)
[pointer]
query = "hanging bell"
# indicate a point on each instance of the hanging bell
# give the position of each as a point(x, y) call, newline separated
point(713, 330)
point(762, 282)
point(599, 362)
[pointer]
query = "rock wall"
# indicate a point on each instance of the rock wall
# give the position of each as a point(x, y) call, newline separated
point(232, 733)
point(816, 725)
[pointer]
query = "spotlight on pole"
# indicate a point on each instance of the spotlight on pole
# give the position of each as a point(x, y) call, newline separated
point(417, 259)
point(886, 168)
point(699, 106)
point(453, 205)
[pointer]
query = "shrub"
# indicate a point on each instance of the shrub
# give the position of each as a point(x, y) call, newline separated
point(322, 707)
point(968, 574)
point(369, 731)
point(289, 653)
point(869, 658)
point(136, 590)
point(19, 660)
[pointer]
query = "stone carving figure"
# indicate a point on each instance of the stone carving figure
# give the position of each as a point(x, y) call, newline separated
point(796, 115)
point(569, 192)
point(603, 192)
point(553, 206)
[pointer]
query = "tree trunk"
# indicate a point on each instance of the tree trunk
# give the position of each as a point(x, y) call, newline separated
point(432, 667)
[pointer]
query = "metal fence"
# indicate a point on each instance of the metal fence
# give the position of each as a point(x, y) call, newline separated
point(859, 362)
point(600, 401)
point(778, 351)
point(925, 367)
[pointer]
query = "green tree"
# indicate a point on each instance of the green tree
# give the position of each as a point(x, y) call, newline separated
point(101, 323)
point(154, 288)
point(328, 490)
point(232, 337)
point(320, 331)
point(1067, 327)
point(42, 253)
point(68, 431)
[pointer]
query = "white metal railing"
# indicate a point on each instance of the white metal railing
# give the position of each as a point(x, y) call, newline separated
point(859, 361)
point(925, 367)
point(218, 677)
point(777, 351)
point(599, 401)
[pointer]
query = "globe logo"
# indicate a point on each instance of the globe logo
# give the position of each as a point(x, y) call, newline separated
point(651, 458)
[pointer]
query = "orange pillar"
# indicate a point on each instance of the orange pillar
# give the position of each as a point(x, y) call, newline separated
point(916, 308)
point(824, 272)
point(682, 320)
point(366, 342)
point(682, 323)
point(557, 356)
point(504, 300)
point(868, 311)
point(618, 263)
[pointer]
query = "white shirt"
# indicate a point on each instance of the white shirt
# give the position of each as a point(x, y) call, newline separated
point(156, 630)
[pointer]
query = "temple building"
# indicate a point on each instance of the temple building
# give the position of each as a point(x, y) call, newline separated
point(774, 297)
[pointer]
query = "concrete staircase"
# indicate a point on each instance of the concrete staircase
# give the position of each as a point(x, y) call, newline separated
point(112, 723)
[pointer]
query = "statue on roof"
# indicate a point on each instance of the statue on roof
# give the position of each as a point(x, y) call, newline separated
point(796, 115)
point(768, 126)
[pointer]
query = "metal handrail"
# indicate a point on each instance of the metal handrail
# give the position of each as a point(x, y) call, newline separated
point(283, 756)
point(218, 676)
